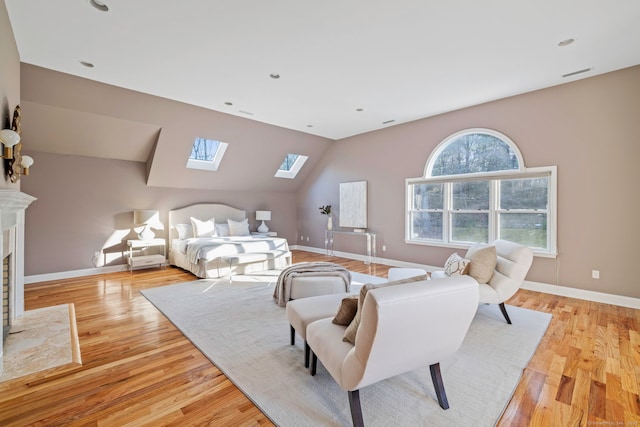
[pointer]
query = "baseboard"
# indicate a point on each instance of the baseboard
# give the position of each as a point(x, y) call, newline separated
point(72, 274)
point(601, 297)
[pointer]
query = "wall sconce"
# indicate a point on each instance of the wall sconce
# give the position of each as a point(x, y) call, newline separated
point(9, 138)
point(15, 164)
point(263, 216)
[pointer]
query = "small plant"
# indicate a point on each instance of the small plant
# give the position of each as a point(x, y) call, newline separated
point(325, 210)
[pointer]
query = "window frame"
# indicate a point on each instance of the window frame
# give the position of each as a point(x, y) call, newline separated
point(494, 178)
point(294, 169)
point(208, 165)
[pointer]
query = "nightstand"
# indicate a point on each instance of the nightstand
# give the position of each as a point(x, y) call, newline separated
point(145, 254)
point(267, 234)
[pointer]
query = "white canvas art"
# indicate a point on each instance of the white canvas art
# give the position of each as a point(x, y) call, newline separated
point(353, 204)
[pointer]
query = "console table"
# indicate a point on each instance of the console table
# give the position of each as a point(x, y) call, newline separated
point(371, 242)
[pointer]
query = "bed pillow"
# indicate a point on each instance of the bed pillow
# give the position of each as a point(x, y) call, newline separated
point(222, 230)
point(456, 265)
point(352, 329)
point(185, 231)
point(483, 259)
point(203, 228)
point(238, 228)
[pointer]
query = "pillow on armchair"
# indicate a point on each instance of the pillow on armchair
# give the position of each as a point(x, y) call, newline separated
point(456, 265)
point(483, 259)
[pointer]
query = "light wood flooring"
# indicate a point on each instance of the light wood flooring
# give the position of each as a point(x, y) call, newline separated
point(139, 370)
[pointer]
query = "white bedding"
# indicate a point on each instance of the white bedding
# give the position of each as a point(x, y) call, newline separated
point(206, 256)
point(210, 248)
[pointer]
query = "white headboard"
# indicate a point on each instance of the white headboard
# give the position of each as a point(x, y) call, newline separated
point(203, 212)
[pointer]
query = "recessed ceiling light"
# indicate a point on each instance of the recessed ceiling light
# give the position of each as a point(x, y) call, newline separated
point(387, 122)
point(99, 5)
point(359, 109)
point(87, 64)
point(309, 126)
point(566, 42)
point(248, 113)
point(275, 76)
point(228, 103)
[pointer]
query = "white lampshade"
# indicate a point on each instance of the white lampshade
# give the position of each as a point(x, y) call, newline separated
point(263, 216)
point(9, 138)
point(150, 219)
point(27, 161)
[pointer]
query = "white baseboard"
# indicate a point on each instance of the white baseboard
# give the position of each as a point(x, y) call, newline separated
point(546, 288)
point(74, 273)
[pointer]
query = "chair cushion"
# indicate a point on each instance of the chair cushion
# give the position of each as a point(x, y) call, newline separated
point(483, 259)
point(352, 329)
point(456, 265)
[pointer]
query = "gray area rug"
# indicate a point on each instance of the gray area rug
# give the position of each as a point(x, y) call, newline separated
point(246, 335)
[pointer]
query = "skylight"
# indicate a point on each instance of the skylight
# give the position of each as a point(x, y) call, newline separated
point(290, 166)
point(206, 154)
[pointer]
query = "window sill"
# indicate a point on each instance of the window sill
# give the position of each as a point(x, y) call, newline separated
point(536, 253)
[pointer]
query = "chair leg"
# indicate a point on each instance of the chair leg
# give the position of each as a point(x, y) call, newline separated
point(503, 309)
point(356, 409)
point(307, 350)
point(293, 335)
point(436, 377)
point(314, 363)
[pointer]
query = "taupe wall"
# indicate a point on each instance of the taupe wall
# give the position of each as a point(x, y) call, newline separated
point(86, 205)
point(590, 129)
point(9, 80)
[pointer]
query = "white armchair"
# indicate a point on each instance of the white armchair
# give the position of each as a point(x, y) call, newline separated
point(513, 263)
point(402, 327)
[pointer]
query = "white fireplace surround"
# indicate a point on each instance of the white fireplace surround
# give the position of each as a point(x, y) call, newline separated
point(13, 204)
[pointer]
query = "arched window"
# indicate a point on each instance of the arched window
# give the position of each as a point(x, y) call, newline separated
point(476, 188)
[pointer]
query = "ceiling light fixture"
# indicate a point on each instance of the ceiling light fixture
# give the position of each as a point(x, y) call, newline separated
point(274, 76)
point(87, 64)
point(577, 72)
point(566, 42)
point(387, 122)
point(309, 126)
point(359, 109)
point(99, 5)
point(228, 103)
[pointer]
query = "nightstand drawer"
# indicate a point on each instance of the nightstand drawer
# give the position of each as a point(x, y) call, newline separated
point(146, 260)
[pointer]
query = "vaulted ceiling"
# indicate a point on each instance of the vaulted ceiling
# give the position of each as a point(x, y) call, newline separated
point(272, 77)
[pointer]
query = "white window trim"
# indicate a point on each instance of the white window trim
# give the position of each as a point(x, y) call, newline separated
point(295, 168)
point(209, 165)
point(548, 171)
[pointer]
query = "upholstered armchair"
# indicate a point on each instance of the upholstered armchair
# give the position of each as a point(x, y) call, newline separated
point(513, 261)
point(402, 327)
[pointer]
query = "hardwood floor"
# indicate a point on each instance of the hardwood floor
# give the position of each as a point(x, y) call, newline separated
point(139, 370)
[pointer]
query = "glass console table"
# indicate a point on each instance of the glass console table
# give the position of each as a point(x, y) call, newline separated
point(371, 242)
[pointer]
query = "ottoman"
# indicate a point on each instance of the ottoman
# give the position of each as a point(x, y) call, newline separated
point(301, 312)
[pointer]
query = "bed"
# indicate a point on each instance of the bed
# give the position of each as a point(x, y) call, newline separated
point(212, 240)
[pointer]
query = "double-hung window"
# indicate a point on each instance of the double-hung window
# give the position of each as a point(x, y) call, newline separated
point(476, 189)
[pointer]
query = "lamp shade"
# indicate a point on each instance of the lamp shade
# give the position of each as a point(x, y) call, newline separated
point(146, 217)
point(263, 215)
point(9, 137)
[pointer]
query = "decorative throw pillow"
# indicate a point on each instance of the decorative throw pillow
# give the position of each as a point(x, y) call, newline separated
point(239, 228)
point(456, 265)
point(203, 228)
point(352, 329)
point(347, 310)
point(483, 259)
point(222, 230)
point(185, 231)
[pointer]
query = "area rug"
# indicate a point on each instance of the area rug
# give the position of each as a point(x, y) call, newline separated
point(43, 341)
point(246, 335)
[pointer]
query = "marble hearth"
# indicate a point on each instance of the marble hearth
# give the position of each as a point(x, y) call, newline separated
point(13, 204)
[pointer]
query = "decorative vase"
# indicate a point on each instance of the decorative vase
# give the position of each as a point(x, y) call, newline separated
point(329, 223)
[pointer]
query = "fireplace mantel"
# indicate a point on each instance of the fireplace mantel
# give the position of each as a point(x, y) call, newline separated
point(13, 204)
